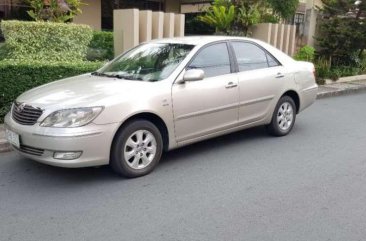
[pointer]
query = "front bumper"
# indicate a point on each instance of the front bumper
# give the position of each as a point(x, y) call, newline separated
point(40, 143)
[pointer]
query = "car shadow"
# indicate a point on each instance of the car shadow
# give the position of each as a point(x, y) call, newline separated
point(226, 141)
point(31, 172)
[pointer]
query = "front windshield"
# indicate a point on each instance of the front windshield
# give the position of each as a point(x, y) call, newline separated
point(147, 62)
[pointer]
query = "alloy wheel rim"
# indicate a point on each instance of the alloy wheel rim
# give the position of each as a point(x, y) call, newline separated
point(285, 116)
point(140, 149)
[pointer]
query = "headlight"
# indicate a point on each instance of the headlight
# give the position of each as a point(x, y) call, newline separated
point(71, 117)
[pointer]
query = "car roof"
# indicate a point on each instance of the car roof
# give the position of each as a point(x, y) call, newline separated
point(198, 40)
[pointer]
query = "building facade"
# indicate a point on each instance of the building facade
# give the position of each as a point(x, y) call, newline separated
point(99, 13)
point(307, 27)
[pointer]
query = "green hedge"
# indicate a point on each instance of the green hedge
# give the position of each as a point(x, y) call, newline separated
point(46, 41)
point(17, 77)
point(306, 53)
point(101, 46)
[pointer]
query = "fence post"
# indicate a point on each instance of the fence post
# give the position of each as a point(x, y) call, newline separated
point(145, 26)
point(125, 29)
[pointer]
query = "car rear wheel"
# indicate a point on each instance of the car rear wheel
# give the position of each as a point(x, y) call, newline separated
point(136, 149)
point(283, 118)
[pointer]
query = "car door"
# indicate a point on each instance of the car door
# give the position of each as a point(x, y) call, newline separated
point(261, 79)
point(209, 105)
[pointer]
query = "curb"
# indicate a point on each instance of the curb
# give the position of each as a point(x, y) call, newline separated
point(348, 85)
point(4, 145)
point(352, 90)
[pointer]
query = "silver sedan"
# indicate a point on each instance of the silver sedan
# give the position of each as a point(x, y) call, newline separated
point(158, 96)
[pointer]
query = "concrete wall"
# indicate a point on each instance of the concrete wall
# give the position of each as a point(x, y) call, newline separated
point(310, 26)
point(282, 36)
point(132, 27)
point(194, 8)
point(313, 3)
point(91, 14)
point(126, 32)
point(157, 25)
point(145, 25)
point(172, 6)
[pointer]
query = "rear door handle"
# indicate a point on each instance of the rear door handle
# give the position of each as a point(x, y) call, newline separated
point(280, 75)
point(231, 85)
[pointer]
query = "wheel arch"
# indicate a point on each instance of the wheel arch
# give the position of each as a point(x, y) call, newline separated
point(153, 118)
point(295, 96)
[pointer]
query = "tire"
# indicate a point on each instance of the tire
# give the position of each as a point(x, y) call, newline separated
point(136, 149)
point(284, 112)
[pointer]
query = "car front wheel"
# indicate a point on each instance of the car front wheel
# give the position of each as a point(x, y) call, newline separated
point(137, 149)
point(283, 118)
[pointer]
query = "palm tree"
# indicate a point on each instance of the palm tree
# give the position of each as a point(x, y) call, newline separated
point(219, 17)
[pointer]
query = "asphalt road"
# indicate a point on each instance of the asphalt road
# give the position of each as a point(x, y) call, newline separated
point(310, 185)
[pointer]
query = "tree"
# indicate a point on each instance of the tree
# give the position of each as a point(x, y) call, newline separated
point(220, 17)
point(342, 31)
point(247, 16)
point(285, 9)
point(54, 10)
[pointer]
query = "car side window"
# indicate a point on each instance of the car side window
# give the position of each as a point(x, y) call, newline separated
point(213, 60)
point(251, 57)
point(272, 62)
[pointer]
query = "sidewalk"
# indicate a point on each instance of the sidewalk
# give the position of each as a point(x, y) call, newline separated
point(342, 87)
point(4, 145)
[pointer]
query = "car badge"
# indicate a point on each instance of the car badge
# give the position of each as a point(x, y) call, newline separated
point(20, 107)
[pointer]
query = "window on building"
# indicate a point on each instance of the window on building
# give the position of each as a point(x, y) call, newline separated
point(108, 6)
point(299, 18)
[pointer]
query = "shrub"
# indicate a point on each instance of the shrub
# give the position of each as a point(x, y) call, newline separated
point(220, 17)
point(322, 70)
point(46, 41)
point(101, 46)
point(3, 51)
point(17, 77)
point(306, 53)
point(363, 65)
point(334, 74)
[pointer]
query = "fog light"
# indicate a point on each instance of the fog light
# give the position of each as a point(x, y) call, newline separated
point(69, 155)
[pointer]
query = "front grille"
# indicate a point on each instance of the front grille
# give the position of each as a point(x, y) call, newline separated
point(31, 150)
point(25, 114)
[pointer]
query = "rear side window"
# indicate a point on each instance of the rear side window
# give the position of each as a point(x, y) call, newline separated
point(251, 57)
point(272, 62)
point(213, 60)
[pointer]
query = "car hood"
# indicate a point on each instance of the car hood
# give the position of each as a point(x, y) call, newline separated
point(83, 91)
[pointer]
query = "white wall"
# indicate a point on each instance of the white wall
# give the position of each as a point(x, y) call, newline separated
point(91, 14)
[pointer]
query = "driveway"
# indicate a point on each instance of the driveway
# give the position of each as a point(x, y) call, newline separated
point(310, 185)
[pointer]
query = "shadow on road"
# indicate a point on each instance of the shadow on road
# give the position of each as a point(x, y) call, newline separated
point(222, 142)
point(25, 170)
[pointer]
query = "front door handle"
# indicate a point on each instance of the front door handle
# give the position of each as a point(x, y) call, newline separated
point(231, 85)
point(280, 75)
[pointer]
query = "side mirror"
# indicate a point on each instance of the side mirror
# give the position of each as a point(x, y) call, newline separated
point(194, 75)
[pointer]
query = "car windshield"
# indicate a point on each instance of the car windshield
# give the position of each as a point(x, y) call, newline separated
point(148, 62)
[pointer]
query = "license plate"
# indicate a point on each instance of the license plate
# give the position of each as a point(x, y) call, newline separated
point(12, 137)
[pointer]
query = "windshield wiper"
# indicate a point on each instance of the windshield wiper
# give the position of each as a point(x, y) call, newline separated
point(96, 73)
point(127, 77)
point(119, 76)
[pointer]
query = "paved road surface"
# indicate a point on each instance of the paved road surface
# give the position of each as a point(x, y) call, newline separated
point(310, 185)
